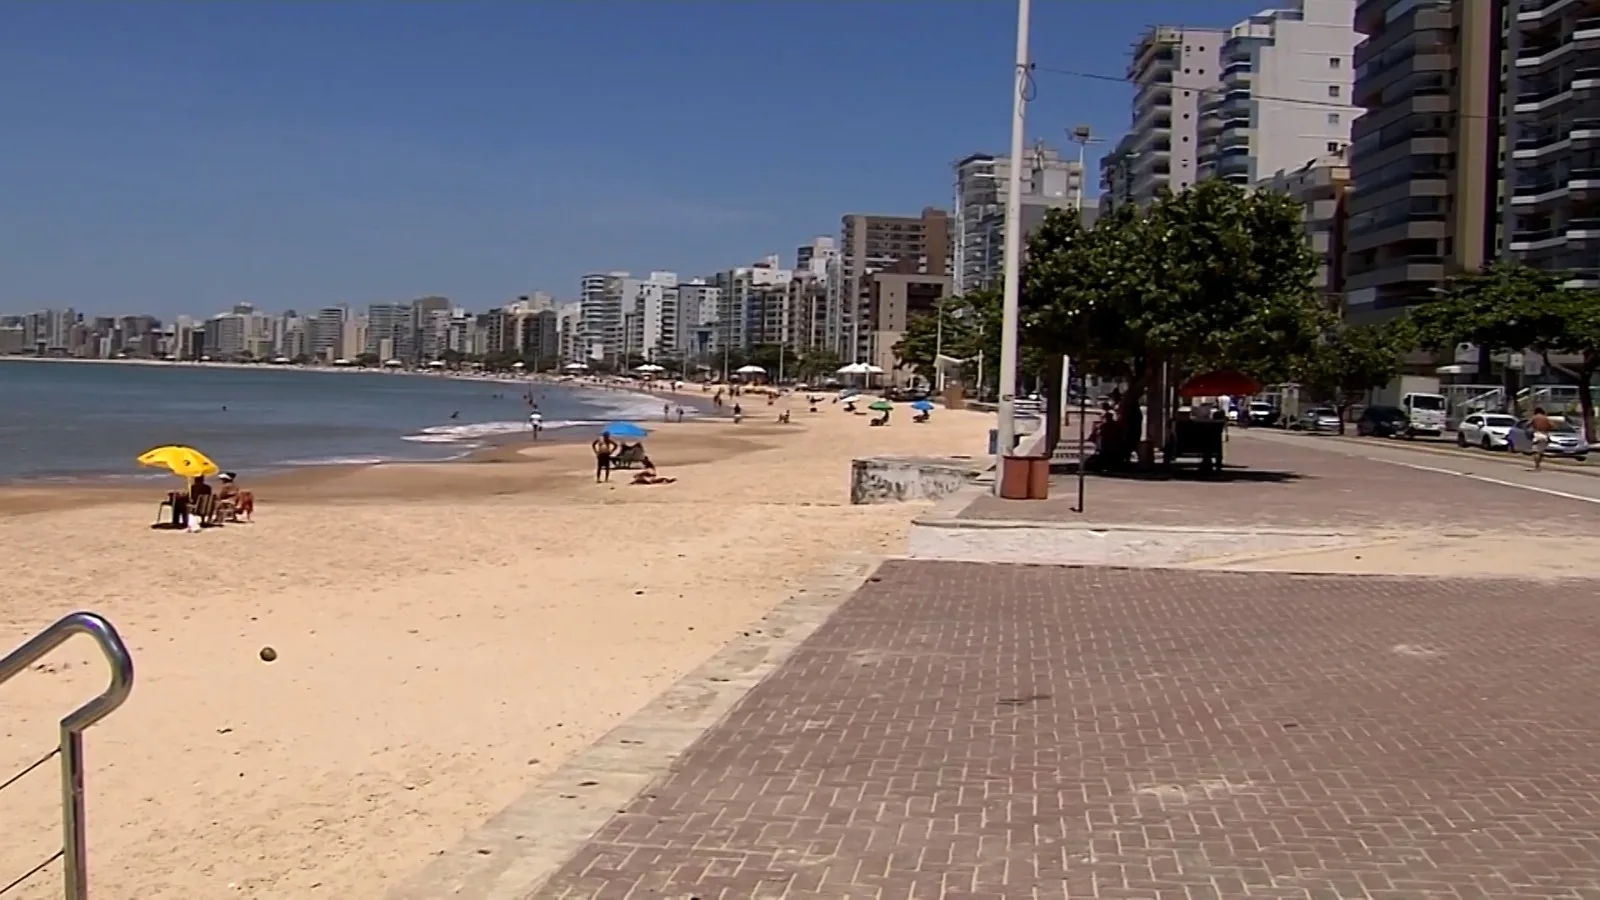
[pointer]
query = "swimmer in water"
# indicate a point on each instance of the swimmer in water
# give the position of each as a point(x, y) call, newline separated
point(456, 414)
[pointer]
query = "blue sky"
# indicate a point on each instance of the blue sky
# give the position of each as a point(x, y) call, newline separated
point(181, 156)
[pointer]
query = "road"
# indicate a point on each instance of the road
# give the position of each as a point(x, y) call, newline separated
point(1510, 470)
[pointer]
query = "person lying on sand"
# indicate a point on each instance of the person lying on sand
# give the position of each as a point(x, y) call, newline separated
point(649, 476)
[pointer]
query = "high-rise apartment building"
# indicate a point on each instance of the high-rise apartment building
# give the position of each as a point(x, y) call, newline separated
point(740, 307)
point(1424, 154)
point(1552, 214)
point(913, 245)
point(389, 331)
point(982, 185)
point(699, 302)
point(815, 256)
point(649, 316)
point(1321, 188)
point(1174, 70)
point(1284, 95)
point(600, 299)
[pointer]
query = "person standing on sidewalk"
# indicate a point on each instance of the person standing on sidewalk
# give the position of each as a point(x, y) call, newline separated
point(1539, 427)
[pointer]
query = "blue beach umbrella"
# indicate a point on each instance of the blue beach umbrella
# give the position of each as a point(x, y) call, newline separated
point(625, 430)
point(922, 406)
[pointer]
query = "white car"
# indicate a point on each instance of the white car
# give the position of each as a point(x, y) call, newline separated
point(1491, 431)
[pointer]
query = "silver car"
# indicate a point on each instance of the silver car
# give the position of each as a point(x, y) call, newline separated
point(1321, 418)
point(1565, 440)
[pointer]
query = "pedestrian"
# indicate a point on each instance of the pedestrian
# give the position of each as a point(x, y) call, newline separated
point(666, 412)
point(1539, 427)
point(604, 449)
point(680, 414)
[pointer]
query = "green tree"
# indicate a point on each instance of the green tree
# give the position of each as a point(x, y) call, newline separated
point(1509, 307)
point(1349, 363)
point(1214, 277)
point(966, 327)
point(817, 363)
point(367, 360)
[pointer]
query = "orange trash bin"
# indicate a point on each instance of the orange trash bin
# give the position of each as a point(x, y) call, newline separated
point(1015, 477)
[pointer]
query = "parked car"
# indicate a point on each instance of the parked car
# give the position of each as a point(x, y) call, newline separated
point(1262, 413)
point(1491, 431)
point(1318, 418)
point(1382, 421)
point(1565, 440)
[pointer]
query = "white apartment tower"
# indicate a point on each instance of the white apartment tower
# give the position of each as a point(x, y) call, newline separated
point(1284, 99)
point(982, 185)
point(1174, 70)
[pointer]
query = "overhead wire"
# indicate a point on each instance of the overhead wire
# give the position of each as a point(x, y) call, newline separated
point(1302, 101)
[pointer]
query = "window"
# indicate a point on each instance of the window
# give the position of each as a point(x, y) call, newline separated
point(1333, 146)
point(1335, 62)
point(1333, 118)
point(1333, 90)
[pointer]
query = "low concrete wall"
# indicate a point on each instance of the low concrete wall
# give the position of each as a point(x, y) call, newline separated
point(900, 479)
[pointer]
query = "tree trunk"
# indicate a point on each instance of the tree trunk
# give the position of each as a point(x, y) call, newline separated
point(1156, 404)
point(1585, 399)
point(1052, 403)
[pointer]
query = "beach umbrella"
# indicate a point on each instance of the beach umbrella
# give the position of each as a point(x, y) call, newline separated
point(852, 369)
point(750, 370)
point(650, 367)
point(847, 393)
point(881, 406)
point(185, 462)
point(872, 370)
point(574, 367)
point(922, 406)
point(626, 430)
point(1221, 383)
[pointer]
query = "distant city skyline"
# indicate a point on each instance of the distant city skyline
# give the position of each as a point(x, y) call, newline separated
point(177, 157)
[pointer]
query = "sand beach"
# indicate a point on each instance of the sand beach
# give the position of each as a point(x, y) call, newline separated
point(445, 635)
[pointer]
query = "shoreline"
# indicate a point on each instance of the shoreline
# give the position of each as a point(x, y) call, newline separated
point(476, 448)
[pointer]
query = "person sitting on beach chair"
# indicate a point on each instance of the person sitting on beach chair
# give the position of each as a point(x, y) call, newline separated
point(880, 420)
point(921, 417)
point(629, 456)
point(849, 406)
point(233, 504)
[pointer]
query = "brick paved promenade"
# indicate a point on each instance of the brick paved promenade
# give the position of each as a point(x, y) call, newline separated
point(962, 730)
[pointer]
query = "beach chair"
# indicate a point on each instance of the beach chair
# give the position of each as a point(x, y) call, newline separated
point(630, 456)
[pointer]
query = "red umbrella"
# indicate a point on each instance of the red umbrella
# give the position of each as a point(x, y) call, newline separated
point(1221, 383)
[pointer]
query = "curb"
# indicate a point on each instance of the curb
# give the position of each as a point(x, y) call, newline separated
point(516, 852)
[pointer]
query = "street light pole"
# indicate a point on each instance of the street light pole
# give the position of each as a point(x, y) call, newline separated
point(1083, 136)
point(1010, 315)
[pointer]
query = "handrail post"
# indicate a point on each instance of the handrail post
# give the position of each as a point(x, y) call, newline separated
point(75, 842)
point(74, 828)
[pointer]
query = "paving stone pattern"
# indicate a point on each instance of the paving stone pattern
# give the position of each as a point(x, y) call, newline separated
point(965, 730)
point(1275, 485)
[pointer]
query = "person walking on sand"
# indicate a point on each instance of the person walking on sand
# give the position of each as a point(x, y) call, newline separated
point(604, 449)
point(1540, 428)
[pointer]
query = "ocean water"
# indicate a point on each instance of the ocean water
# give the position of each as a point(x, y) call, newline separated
point(73, 420)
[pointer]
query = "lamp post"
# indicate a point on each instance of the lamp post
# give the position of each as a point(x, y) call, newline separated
point(1007, 426)
point(1083, 136)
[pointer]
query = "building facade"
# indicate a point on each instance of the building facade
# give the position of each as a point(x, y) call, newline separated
point(982, 185)
point(1174, 70)
point(1284, 97)
point(868, 244)
point(1321, 188)
point(1424, 154)
point(1552, 215)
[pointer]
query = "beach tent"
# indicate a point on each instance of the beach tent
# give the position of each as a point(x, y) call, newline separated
point(750, 370)
point(574, 367)
point(853, 369)
point(650, 367)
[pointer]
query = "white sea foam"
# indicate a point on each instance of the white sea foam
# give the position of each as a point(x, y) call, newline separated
point(477, 431)
point(340, 461)
point(628, 406)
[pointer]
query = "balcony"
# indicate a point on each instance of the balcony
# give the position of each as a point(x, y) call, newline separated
point(1542, 10)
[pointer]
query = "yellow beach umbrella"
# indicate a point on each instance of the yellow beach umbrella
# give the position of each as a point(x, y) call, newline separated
point(185, 462)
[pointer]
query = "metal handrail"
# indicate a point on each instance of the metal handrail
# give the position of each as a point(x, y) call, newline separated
point(74, 851)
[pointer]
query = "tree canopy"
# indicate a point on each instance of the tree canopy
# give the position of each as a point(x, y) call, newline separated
point(1214, 277)
point(964, 327)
